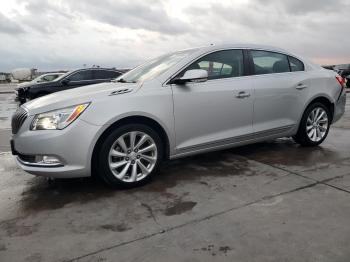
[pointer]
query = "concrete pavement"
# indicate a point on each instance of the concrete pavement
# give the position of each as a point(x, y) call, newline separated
point(274, 201)
point(7, 88)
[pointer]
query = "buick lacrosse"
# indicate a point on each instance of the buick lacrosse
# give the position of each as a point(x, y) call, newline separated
point(183, 103)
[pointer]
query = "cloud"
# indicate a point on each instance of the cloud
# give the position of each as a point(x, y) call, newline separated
point(64, 34)
point(300, 7)
point(46, 17)
point(7, 26)
point(137, 14)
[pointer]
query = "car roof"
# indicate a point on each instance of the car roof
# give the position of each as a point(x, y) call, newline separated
point(244, 46)
point(97, 68)
point(53, 73)
point(214, 47)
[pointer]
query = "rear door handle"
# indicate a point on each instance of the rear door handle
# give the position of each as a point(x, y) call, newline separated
point(242, 94)
point(301, 86)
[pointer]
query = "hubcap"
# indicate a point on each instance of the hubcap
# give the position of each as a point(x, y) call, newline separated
point(317, 124)
point(132, 156)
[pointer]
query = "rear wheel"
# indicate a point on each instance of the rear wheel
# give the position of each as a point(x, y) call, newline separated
point(130, 156)
point(314, 125)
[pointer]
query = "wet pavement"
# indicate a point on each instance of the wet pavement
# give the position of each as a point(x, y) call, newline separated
point(273, 201)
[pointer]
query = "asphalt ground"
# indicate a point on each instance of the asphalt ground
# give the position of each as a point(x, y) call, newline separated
point(272, 201)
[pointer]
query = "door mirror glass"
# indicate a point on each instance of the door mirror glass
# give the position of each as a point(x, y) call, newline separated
point(193, 75)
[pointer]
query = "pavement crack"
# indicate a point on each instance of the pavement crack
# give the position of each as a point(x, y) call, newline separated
point(317, 182)
point(150, 210)
point(336, 187)
point(195, 221)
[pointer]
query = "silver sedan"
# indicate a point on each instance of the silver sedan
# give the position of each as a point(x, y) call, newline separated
point(183, 103)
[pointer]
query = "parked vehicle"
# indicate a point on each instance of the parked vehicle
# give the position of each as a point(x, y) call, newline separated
point(183, 103)
point(5, 77)
point(345, 73)
point(40, 79)
point(73, 79)
point(23, 74)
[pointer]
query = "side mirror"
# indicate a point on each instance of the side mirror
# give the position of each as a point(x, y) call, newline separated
point(193, 75)
point(65, 81)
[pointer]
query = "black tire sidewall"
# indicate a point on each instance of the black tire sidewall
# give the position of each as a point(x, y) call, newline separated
point(302, 136)
point(104, 171)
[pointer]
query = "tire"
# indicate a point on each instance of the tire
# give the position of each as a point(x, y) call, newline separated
point(125, 166)
point(312, 132)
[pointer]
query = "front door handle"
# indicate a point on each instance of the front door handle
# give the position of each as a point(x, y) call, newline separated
point(301, 86)
point(242, 94)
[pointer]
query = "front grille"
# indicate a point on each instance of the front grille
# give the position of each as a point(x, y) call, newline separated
point(18, 119)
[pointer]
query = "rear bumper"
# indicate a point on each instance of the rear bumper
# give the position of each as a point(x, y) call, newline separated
point(339, 108)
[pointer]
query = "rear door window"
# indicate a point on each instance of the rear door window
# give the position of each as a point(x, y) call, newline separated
point(266, 62)
point(81, 76)
point(105, 74)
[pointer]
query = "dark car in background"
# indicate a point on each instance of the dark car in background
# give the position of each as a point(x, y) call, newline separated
point(345, 73)
point(72, 79)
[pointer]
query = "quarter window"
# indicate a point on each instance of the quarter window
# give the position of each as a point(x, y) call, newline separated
point(221, 64)
point(296, 64)
point(269, 62)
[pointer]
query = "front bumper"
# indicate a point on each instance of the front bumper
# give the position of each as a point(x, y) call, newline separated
point(73, 146)
point(20, 95)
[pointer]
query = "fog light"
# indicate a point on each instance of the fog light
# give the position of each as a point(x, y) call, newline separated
point(49, 160)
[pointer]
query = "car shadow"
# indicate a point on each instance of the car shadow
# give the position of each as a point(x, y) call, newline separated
point(39, 194)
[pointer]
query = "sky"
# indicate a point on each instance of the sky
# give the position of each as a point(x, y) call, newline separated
point(68, 34)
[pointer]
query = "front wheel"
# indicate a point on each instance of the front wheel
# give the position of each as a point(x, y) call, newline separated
point(314, 125)
point(130, 156)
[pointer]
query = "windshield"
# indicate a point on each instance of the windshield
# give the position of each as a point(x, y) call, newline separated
point(37, 79)
point(154, 67)
point(62, 76)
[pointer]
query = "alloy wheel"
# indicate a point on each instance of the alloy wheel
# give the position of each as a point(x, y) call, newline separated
point(132, 156)
point(317, 124)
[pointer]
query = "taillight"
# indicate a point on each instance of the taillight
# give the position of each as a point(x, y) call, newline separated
point(341, 81)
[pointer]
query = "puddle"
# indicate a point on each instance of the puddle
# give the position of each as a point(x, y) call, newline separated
point(40, 195)
point(287, 153)
point(116, 228)
point(219, 164)
point(14, 228)
point(179, 207)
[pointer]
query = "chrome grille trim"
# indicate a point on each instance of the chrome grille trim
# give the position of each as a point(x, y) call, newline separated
point(18, 119)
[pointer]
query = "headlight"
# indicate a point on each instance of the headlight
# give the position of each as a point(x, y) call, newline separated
point(57, 119)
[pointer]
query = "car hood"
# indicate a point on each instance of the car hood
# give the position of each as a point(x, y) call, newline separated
point(34, 85)
point(78, 95)
point(25, 84)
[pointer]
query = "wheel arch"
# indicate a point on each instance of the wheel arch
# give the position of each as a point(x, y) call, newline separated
point(135, 119)
point(323, 100)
